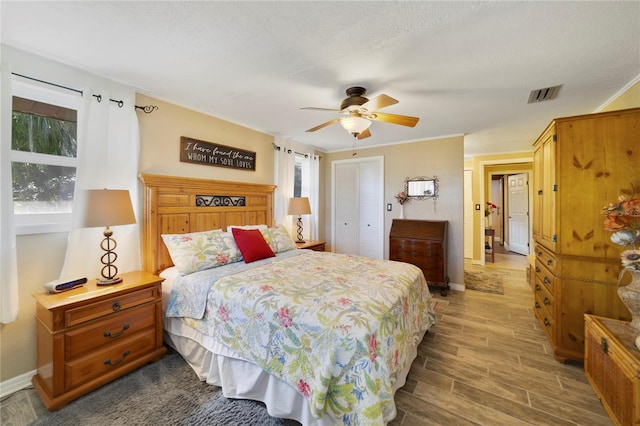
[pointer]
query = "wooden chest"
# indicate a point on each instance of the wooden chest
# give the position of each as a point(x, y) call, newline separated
point(422, 243)
point(612, 366)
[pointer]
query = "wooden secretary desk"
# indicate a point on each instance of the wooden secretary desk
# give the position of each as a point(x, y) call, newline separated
point(422, 243)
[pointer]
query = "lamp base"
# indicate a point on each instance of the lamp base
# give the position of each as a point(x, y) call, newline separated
point(109, 281)
point(300, 239)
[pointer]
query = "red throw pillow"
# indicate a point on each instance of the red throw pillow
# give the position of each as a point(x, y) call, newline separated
point(252, 244)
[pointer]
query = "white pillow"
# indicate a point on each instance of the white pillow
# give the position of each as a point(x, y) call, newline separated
point(201, 250)
point(278, 239)
point(230, 227)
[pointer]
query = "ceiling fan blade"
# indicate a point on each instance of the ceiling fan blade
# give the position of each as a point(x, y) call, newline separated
point(364, 134)
point(320, 126)
point(321, 109)
point(403, 120)
point(379, 102)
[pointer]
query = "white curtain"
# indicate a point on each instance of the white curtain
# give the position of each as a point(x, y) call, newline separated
point(8, 258)
point(311, 189)
point(284, 170)
point(108, 154)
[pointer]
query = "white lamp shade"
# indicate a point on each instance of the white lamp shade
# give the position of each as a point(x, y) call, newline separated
point(108, 207)
point(355, 125)
point(299, 206)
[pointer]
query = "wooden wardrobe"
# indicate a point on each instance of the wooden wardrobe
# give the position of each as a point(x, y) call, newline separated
point(581, 164)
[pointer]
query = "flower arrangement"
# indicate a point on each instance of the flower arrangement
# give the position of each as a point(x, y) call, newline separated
point(623, 219)
point(402, 197)
point(488, 210)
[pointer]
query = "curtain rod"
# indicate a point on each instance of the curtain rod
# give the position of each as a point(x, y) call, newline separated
point(49, 83)
point(147, 109)
point(289, 151)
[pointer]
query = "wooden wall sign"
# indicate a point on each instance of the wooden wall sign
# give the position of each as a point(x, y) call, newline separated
point(211, 154)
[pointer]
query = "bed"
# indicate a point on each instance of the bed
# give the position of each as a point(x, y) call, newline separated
point(321, 338)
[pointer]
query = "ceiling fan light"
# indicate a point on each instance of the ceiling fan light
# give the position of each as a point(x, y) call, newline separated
point(355, 125)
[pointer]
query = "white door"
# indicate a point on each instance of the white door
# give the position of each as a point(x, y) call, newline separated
point(370, 241)
point(468, 215)
point(519, 213)
point(358, 213)
point(346, 214)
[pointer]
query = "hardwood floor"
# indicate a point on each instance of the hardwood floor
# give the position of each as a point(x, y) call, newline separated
point(488, 362)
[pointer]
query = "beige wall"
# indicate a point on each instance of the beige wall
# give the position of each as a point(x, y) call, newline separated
point(40, 260)
point(160, 143)
point(436, 157)
point(629, 99)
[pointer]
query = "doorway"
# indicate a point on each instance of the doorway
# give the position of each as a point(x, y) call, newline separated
point(510, 193)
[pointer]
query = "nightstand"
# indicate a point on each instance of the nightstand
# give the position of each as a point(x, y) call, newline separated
point(91, 335)
point(315, 245)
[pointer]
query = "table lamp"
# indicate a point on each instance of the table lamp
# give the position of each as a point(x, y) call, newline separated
point(108, 207)
point(299, 206)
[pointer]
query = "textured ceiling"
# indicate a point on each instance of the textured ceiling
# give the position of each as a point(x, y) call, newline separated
point(461, 67)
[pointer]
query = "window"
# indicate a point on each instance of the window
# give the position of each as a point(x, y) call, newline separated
point(44, 145)
point(297, 177)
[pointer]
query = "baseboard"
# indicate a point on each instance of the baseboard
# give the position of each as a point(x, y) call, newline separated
point(456, 287)
point(17, 383)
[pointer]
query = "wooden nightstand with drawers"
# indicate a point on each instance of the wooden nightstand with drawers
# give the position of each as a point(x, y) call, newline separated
point(91, 335)
point(315, 245)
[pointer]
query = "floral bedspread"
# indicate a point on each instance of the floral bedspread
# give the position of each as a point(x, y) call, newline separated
point(336, 327)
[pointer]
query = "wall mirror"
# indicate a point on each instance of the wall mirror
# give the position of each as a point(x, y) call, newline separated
point(421, 187)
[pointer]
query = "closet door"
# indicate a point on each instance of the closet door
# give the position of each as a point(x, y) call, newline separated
point(358, 212)
point(346, 211)
point(370, 240)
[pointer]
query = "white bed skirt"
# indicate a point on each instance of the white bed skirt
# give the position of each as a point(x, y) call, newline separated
point(241, 379)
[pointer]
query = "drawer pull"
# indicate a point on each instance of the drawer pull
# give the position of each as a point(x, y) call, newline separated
point(549, 262)
point(116, 306)
point(546, 301)
point(107, 333)
point(118, 361)
point(539, 254)
point(537, 287)
point(546, 280)
point(546, 322)
point(537, 305)
point(537, 269)
point(604, 345)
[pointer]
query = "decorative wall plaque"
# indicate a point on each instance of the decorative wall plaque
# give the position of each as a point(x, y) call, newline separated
point(211, 154)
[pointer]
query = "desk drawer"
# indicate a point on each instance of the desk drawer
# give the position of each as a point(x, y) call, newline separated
point(109, 306)
point(104, 332)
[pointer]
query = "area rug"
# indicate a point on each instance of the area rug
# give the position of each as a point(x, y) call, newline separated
point(166, 392)
point(483, 281)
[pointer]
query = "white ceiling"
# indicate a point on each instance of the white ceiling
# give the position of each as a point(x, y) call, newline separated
point(461, 67)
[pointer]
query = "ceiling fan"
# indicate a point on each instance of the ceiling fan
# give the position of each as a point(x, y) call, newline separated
point(359, 111)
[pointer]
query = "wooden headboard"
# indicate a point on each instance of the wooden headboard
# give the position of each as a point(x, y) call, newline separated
point(177, 205)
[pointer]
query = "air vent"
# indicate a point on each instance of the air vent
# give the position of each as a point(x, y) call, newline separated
point(541, 95)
